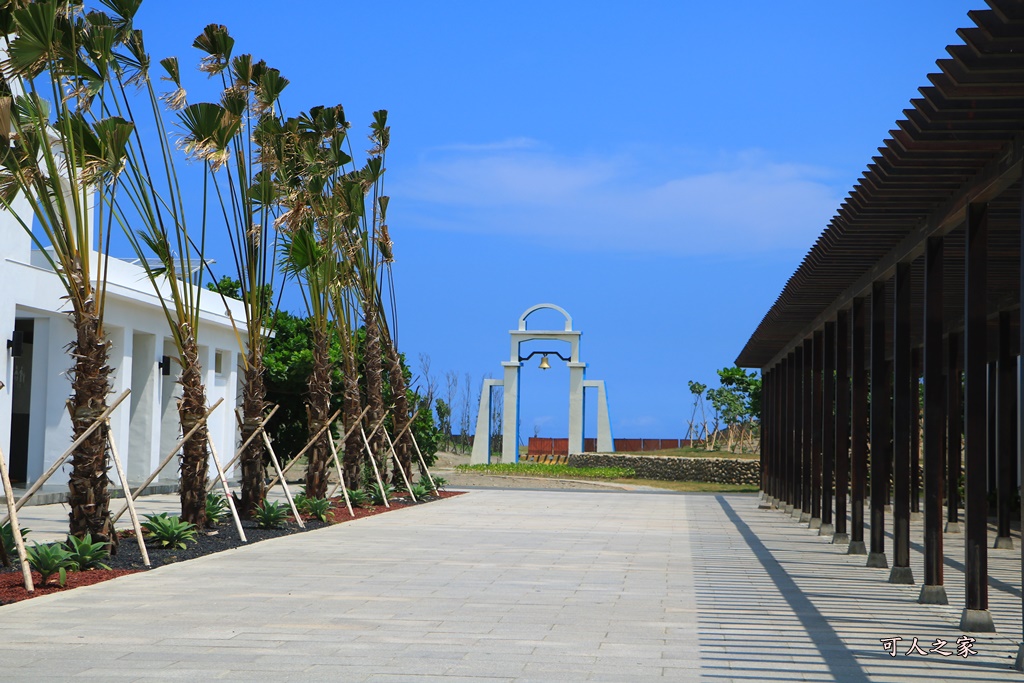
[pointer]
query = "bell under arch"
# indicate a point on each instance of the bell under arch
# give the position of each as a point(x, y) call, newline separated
point(510, 392)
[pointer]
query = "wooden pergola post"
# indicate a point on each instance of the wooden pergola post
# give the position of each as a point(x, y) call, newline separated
point(807, 427)
point(796, 390)
point(915, 435)
point(1006, 433)
point(842, 424)
point(828, 426)
point(954, 430)
point(817, 417)
point(881, 431)
point(788, 440)
point(933, 592)
point(903, 408)
point(858, 427)
point(976, 615)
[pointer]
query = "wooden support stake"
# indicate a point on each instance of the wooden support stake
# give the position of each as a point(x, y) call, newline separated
point(128, 500)
point(398, 464)
point(305, 448)
point(238, 452)
point(60, 461)
point(12, 514)
point(227, 491)
point(341, 480)
point(149, 480)
point(376, 472)
point(423, 462)
point(284, 483)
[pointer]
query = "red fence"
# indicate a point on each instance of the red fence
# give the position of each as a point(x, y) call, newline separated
point(539, 445)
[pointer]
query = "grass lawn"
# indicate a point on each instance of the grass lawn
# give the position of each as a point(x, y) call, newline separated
point(693, 486)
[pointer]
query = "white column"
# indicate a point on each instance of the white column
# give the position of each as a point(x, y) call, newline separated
point(510, 413)
point(122, 345)
point(481, 440)
point(605, 443)
point(577, 371)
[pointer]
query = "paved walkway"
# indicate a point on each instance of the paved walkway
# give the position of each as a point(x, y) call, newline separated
point(518, 586)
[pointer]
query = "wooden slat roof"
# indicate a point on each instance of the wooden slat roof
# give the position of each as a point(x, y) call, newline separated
point(959, 142)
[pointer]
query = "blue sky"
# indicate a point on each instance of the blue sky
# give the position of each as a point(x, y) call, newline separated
point(658, 169)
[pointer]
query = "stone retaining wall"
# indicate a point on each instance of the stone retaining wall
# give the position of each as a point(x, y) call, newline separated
point(714, 470)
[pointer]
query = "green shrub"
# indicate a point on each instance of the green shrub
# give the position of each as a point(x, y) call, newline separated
point(216, 508)
point(270, 515)
point(420, 491)
point(439, 482)
point(50, 559)
point(300, 501)
point(7, 538)
point(378, 497)
point(316, 507)
point(84, 554)
point(358, 497)
point(169, 531)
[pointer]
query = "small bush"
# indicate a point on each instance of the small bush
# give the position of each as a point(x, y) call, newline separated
point(378, 497)
point(84, 554)
point(216, 508)
point(300, 500)
point(50, 559)
point(169, 531)
point(270, 515)
point(439, 482)
point(7, 538)
point(358, 497)
point(317, 507)
point(420, 491)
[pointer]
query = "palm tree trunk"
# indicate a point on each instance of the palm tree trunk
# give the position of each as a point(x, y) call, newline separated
point(254, 485)
point(374, 384)
point(352, 406)
point(90, 383)
point(191, 409)
point(401, 415)
point(319, 406)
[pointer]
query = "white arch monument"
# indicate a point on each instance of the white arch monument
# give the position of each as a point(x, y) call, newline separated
point(510, 391)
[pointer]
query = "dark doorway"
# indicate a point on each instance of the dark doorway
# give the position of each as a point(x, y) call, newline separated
point(21, 399)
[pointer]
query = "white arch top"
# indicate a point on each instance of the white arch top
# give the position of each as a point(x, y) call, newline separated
point(533, 309)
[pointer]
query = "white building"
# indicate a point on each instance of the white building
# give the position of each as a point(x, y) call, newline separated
point(35, 427)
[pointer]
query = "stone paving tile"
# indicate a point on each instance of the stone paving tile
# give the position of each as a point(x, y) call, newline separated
point(519, 586)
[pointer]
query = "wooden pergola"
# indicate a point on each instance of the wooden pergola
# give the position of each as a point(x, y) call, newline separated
point(917, 276)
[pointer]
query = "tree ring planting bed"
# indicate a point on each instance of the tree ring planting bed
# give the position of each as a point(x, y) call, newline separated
point(222, 537)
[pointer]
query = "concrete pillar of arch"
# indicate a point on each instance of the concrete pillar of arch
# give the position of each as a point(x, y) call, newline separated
point(576, 374)
point(481, 441)
point(510, 413)
point(605, 443)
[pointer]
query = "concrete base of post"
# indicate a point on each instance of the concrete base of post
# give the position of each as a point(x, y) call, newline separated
point(888, 509)
point(904, 575)
point(764, 505)
point(826, 530)
point(788, 509)
point(857, 548)
point(843, 538)
point(977, 621)
point(1019, 664)
point(814, 523)
point(953, 528)
point(796, 512)
point(1003, 543)
point(805, 517)
point(877, 561)
point(933, 595)
point(916, 516)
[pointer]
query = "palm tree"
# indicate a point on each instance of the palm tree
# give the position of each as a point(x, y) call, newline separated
point(248, 202)
point(65, 161)
point(310, 160)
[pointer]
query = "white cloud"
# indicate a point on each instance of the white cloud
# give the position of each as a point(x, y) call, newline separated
point(743, 204)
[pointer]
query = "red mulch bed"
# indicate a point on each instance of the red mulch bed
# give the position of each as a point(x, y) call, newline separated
point(13, 590)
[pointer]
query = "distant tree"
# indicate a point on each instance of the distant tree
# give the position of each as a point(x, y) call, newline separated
point(444, 420)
